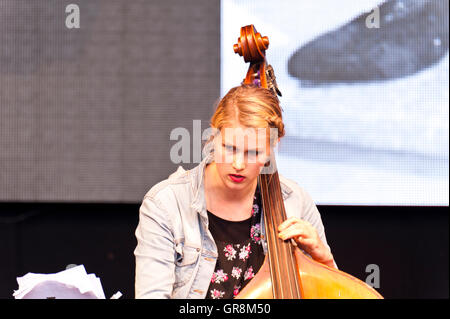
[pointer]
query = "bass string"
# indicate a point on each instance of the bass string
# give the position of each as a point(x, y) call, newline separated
point(286, 246)
point(278, 247)
point(282, 265)
point(271, 240)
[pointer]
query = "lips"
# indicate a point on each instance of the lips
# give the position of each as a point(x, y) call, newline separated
point(236, 178)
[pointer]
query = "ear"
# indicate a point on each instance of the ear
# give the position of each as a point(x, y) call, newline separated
point(275, 144)
point(278, 141)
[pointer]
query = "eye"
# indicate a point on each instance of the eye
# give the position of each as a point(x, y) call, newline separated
point(254, 153)
point(228, 148)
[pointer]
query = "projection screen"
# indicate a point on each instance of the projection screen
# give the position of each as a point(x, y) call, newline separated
point(365, 95)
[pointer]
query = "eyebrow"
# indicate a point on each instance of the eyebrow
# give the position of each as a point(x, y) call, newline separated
point(234, 147)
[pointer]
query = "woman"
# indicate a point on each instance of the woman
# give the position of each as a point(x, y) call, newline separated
point(200, 231)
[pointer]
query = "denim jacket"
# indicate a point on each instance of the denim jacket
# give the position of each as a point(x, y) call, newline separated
point(176, 254)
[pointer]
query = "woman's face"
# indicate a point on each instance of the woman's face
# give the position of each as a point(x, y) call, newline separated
point(240, 154)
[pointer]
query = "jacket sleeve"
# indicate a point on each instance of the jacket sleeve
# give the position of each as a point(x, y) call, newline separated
point(155, 252)
point(310, 213)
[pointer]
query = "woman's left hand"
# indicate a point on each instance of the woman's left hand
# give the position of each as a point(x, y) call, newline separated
point(306, 237)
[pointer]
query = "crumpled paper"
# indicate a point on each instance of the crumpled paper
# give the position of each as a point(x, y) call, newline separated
point(72, 283)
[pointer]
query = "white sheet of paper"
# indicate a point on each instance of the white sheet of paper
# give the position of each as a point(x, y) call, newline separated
point(73, 283)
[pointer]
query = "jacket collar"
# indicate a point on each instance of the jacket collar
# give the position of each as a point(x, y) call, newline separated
point(197, 184)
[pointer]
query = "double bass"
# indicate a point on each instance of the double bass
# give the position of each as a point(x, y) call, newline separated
point(287, 273)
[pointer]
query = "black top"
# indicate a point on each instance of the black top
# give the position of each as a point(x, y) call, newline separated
point(240, 252)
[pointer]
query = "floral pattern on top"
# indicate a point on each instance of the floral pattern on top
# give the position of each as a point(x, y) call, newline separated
point(230, 252)
point(237, 262)
point(255, 233)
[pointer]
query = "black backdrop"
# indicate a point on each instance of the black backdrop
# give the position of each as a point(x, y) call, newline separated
point(409, 244)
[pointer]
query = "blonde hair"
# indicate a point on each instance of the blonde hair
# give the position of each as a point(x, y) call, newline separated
point(250, 106)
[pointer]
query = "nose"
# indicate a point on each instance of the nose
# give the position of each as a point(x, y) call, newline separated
point(238, 162)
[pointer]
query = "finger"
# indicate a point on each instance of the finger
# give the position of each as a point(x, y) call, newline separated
point(294, 220)
point(288, 222)
point(292, 232)
point(298, 224)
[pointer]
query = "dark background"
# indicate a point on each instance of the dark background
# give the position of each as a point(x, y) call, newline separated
point(86, 114)
point(409, 244)
point(85, 118)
